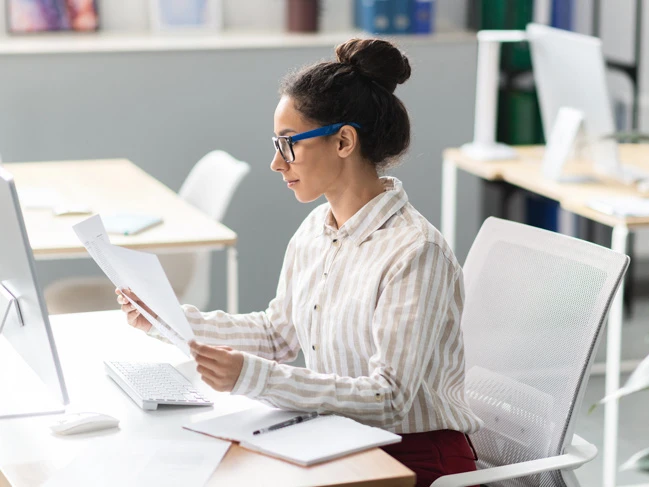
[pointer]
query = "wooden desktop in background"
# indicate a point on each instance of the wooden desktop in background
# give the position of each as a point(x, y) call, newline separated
point(525, 172)
point(110, 186)
point(115, 186)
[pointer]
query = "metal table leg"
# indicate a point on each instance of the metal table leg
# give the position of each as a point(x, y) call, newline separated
point(233, 281)
point(613, 357)
point(449, 202)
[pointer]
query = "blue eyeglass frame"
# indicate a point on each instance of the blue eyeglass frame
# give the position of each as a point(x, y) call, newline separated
point(319, 132)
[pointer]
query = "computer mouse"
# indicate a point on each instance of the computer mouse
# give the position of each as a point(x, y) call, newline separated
point(74, 423)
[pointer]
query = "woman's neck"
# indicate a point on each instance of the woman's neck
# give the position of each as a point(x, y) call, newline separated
point(353, 195)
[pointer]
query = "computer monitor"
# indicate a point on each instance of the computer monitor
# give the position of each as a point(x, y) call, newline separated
point(31, 379)
point(570, 71)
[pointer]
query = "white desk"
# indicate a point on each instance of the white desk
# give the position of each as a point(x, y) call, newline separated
point(29, 453)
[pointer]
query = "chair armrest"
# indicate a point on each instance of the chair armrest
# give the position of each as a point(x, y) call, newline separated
point(575, 455)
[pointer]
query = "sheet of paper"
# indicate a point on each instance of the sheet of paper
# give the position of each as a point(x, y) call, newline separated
point(148, 280)
point(144, 275)
point(39, 198)
point(159, 463)
point(93, 236)
point(637, 381)
point(622, 206)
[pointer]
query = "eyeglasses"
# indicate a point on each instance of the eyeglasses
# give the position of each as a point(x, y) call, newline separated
point(284, 143)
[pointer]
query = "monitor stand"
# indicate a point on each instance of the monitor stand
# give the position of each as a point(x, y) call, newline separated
point(8, 301)
point(22, 393)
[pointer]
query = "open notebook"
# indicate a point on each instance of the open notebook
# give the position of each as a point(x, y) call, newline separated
point(315, 441)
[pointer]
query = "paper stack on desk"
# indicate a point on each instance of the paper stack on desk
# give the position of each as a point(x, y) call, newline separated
point(128, 462)
point(318, 440)
point(621, 206)
point(143, 274)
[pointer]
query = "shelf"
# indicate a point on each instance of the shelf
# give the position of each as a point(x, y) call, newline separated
point(66, 43)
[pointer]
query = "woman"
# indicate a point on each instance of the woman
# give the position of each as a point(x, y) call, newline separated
point(369, 289)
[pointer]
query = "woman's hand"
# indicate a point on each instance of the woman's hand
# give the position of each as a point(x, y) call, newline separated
point(133, 316)
point(219, 367)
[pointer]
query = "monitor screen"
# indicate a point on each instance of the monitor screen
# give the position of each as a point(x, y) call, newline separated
point(26, 336)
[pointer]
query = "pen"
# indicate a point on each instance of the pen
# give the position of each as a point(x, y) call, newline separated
point(295, 420)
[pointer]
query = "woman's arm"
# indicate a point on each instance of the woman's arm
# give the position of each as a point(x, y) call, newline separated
point(267, 334)
point(410, 319)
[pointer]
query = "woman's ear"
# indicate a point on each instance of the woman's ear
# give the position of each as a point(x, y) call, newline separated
point(347, 139)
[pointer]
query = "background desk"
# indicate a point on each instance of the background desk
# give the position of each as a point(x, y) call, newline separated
point(117, 185)
point(29, 453)
point(525, 173)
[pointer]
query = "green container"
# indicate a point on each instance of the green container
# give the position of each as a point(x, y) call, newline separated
point(509, 14)
point(519, 120)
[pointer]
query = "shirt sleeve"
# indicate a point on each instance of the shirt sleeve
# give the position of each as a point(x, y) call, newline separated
point(268, 334)
point(420, 300)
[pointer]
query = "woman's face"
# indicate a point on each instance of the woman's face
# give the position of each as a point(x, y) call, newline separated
point(317, 166)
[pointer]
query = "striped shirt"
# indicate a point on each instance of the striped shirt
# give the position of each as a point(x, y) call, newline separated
point(375, 306)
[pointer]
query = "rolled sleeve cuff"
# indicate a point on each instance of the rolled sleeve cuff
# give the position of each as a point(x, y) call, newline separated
point(254, 376)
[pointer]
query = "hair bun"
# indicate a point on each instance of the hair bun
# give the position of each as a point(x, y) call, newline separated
point(377, 59)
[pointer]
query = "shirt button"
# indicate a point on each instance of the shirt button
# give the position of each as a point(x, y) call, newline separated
point(335, 241)
point(377, 396)
point(316, 307)
point(314, 347)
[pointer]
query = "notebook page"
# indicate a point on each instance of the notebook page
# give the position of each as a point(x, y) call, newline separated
point(240, 425)
point(319, 440)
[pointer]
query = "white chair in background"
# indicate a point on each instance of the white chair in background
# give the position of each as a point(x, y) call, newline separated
point(535, 307)
point(209, 187)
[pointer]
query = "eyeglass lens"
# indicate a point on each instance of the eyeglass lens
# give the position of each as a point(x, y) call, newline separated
point(284, 146)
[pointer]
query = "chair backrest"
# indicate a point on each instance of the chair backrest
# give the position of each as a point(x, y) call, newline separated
point(211, 183)
point(209, 186)
point(534, 310)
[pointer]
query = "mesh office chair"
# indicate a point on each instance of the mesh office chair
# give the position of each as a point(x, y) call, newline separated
point(209, 186)
point(534, 312)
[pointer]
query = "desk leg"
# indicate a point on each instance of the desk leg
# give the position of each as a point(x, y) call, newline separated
point(613, 357)
point(449, 202)
point(233, 281)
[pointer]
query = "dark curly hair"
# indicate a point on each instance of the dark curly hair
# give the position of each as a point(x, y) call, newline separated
point(358, 87)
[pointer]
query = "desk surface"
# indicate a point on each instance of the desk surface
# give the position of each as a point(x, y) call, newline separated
point(525, 172)
point(29, 453)
point(108, 186)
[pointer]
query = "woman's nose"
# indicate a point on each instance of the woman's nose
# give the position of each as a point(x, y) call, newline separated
point(278, 163)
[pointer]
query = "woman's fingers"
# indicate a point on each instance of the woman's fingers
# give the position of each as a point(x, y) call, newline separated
point(213, 352)
point(132, 317)
point(208, 373)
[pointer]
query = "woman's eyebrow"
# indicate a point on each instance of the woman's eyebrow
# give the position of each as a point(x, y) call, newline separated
point(286, 131)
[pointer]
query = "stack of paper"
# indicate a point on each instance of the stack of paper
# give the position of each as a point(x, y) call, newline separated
point(315, 441)
point(143, 274)
point(136, 463)
point(621, 206)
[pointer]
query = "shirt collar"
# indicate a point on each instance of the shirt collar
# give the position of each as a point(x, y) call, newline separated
point(371, 216)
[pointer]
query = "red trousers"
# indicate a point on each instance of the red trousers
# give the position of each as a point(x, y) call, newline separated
point(434, 454)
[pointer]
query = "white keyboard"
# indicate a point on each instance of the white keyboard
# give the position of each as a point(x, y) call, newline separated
point(150, 384)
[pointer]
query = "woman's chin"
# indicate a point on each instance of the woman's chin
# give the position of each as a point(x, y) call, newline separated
point(305, 198)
